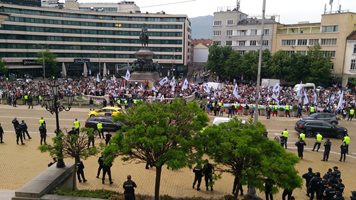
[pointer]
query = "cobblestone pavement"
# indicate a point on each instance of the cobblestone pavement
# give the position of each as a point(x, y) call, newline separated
point(20, 163)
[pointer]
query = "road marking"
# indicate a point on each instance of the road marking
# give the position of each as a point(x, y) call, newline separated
point(333, 152)
point(12, 117)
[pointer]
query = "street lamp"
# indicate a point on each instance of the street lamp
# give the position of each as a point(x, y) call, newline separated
point(54, 105)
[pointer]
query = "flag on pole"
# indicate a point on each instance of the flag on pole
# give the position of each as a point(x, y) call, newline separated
point(299, 90)
point(341, 101)
point(163, 81)
point(127, 75)
point(331, 2)
point(306, 100)
point(236, 91)
point(276, 89)
point(185, 84)
point(315, 99)
point(97, 78)
point(206, 88)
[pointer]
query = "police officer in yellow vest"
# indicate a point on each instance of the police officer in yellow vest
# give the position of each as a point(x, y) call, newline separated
point(312, 109)
point(287, 110)
point(99, 127)
point(302, 136)
point(118, 101)
point(25, 99)
point(318, 139)
point(351, 114)
point(76, 125)
point(275, 110)
point(347, 141)
point(42, 122)
point(126, 103)
point(285, 137)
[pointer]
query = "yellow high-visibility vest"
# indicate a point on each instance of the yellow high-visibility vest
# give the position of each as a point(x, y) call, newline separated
point(319, 137)
point(99, 126)
point(76, 124)
point(285, 134)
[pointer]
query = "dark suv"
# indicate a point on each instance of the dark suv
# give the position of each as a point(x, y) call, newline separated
point(312, 127)
point(108, 124)
point(328, 117)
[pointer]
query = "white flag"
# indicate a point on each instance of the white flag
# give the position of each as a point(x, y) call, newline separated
point(206, 88)
point(162, 98)
point(341, 101)
point(276, 89)
point(299, 89)
point(97, 78)
point(185, 84)
point(127, 75)
point(315, 99)
point(236, 91)
point(173, 82)
point(306, 101)
point(163, 81)
point(154, 89)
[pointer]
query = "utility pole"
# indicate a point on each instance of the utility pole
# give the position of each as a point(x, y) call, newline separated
point(43, 65)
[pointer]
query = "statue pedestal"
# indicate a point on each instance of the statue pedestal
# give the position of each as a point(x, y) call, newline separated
point(142, 76)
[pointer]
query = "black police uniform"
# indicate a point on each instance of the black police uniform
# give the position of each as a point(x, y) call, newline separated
point(80, 171)
point(24, 131)
point(101, 164)
point(1, 134)
point(43, 134)
point(18, 135)
point(327, 147)
point(198, 174)
point(208, 175)
point(106, 170)
point(129, 189)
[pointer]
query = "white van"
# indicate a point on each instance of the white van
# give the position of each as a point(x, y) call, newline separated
point(305, 86)
point(218, 120)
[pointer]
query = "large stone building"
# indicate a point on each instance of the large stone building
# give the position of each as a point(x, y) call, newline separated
point(350, 56)
point(89, 39)
point(234, 28)
point(331, 34)
point(123, 6)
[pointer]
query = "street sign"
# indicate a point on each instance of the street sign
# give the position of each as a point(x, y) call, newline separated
point(81, 60)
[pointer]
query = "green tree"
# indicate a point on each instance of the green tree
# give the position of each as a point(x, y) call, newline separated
point(280, 66)
point(248, 155)
point(48, 59)
point(3, 68)
point(158, 134)
point(249, 64)
point(319, 66)
point(217, 60)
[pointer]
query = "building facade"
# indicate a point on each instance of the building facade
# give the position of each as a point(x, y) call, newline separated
point(89, 39)
point(123, 6)
point(234, 28)
point(350, 56)
point(36, 3)
point(331, 34)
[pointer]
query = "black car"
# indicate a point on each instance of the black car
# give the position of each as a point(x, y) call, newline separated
point(324, 116)
point(108, 124)
point(312, 127)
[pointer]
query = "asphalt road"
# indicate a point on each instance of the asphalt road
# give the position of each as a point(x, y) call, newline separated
point(20, 163)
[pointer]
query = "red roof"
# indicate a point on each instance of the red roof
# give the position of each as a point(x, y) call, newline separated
point(206, 42)
point(352, 36)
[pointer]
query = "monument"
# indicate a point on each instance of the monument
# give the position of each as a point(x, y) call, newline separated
point(144, 68)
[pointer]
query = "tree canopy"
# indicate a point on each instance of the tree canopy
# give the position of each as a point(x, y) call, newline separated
point(248, 155)
point(291, 68)
point(50, 62)
point(3, 68)
point(158, 134)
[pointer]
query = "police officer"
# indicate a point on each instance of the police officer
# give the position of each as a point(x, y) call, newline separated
point(19, 134)
point(76, 125)
point(29, 101)
point(43, 134)
point(107, 138)
point(101, 164)
point(343, 151)
point(24, 131)
point(347, 141)
point(285, 137)
point(99, 127)
point(208, 175)
point(329, 192)
point(1, 134)
point(312, 109)
point(106, 170)
point(351, 113)
point(316, 186)
point(268, 188)
point(308, 176)
point(91, 104)
point(42, 122)
point(302, 136)
point(287, 110)
point(129, 188)
point(15, 123)
point(91, 138)
point(198, 174)
point(300, 146)
point(327, 147)
point(80, 171)
point(318, 139)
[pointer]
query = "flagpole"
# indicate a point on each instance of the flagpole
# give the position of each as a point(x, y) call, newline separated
point(255, 119)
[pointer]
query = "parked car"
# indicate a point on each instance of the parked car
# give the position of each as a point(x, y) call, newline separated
point(106, 111)
point(109, 125)
point(312, 127)
point(324, 116)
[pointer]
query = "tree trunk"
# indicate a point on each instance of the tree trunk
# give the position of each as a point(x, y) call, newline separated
point(236, 189)
point(158, 181)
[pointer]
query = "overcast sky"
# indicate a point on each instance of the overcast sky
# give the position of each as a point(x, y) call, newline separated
point(290, 11)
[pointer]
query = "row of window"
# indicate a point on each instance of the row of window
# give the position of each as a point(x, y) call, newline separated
point(85, 39)
point(331, 54)
point(241, 32)
point(243, 43)
point(353, 64)
point(228, 22)
point(96, 24)
point(82, 55)
point(80, 47)
point(312, 42)
point(89, 16)
point(87, 31)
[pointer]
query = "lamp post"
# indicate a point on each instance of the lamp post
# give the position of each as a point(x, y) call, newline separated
point(54, 105)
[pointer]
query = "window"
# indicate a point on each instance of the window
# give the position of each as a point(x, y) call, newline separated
point(228, 43)
point(313, 42)
point(302, 42)
point(302, 52)
point(241, 32)
point(354, 48)
point(217, 33)
point(330, 29)
point(329, 53)
point(217, 42)
point(331, 41)
point(230, 22)
point(253, 31)
point(265, 42)
point(217, 23)
point(288, 42)
point(353, 64)
point(241, 43)
point(266, 32)
point(229, 32)
point(253, 42)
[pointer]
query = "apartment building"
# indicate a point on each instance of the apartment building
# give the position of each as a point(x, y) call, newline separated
point(89, 39)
